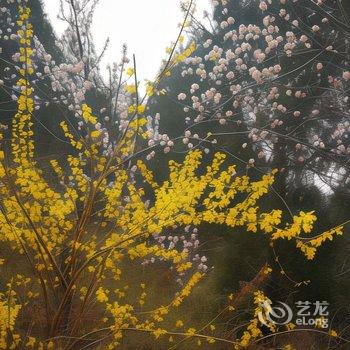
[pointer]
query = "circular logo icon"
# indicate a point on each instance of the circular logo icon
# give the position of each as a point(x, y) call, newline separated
point(279, 314)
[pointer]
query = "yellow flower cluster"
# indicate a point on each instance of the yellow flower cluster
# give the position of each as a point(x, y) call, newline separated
point(8, 313)
point(252, 332)
point(180, 57)
point(186, 291)
point(25, 34)
point(87, 114)
point(131, 89)
point(177, 258)
point(146, 174)
point(140, 109)
point(80, 228)
point(310, 246)
point(303, 223)
point(22, 145)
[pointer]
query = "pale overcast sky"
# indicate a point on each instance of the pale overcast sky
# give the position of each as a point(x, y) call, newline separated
point(147, 27)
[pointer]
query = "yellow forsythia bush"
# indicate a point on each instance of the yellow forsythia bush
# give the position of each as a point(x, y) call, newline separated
point(73, 234)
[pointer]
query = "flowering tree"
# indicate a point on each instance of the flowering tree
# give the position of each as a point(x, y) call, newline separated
point(275, 76)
